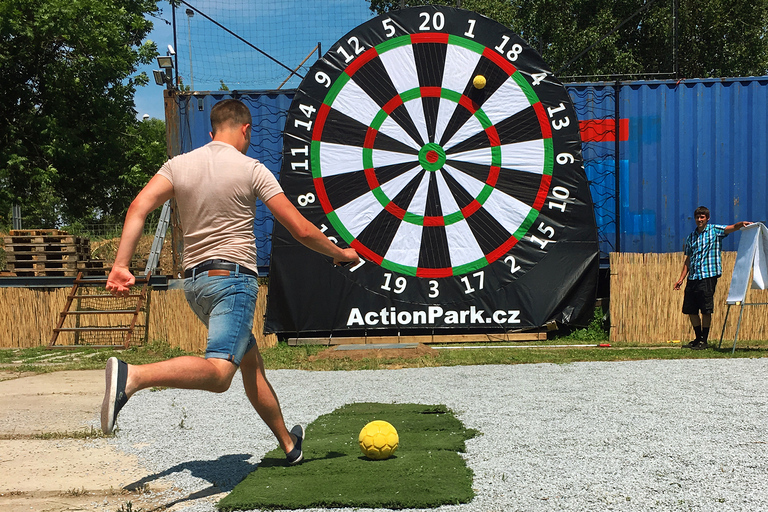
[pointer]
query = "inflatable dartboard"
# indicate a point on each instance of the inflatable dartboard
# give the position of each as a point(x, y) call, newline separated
point(440, 146)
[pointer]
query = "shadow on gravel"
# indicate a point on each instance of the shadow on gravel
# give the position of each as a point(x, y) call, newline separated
point(223, 473)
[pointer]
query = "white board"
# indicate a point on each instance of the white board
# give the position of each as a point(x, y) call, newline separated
point(752, 258)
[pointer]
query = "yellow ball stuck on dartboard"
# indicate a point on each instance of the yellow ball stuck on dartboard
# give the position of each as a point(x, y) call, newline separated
point(479, 82)
point(378, 440)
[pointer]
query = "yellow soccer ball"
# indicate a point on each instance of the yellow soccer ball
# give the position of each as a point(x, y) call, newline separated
point(378, 440)
point(479, 82)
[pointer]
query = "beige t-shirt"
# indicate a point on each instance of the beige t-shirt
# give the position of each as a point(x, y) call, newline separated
point(216, 188)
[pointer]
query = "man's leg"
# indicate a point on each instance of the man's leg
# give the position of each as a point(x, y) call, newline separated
point(707, 308)
point(263, 397)
point(185, 372)
point(696, 324)
point(691, 308)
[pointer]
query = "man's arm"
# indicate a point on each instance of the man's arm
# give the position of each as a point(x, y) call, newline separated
point(154, 193)
point(307, 233)
point(735, 227)
point(684, 273)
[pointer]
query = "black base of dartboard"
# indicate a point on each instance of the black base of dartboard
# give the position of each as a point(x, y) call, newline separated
point(440, 146)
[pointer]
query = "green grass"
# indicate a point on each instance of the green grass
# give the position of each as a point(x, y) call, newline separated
point(595, 332)
point(426, 470)
point(43, 360)
point(286, 357)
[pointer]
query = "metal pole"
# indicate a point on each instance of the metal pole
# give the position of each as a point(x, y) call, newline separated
point(725, 322)
point(190, 13)
point(16, 216)
point(175, 45)
point(617, 148)
point(675, 43)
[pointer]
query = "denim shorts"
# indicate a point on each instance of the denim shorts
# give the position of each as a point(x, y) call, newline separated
point(226, 305)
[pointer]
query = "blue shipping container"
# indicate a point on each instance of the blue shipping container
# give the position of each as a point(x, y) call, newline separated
point(682, 144)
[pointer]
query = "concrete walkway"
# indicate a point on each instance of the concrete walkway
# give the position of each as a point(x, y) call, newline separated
point(44, 467)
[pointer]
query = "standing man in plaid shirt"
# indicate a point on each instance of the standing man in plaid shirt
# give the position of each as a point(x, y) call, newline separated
point(703, 265)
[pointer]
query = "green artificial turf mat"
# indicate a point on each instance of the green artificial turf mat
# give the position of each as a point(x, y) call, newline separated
point(426, 470)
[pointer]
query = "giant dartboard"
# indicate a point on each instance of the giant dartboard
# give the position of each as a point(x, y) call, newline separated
point(439, 145)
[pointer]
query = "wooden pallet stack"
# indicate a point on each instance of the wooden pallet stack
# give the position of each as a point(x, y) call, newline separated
point(49, 252)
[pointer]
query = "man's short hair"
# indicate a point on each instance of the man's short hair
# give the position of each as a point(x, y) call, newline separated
point(229, 112)
point(701, 210)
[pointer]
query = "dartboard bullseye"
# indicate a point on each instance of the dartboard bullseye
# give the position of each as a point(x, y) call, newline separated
point(439, 145)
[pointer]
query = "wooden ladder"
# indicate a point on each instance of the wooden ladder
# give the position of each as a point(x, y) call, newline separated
point(139, 293)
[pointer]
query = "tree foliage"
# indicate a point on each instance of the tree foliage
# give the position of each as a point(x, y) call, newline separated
point(715, 38)
point(68, 127)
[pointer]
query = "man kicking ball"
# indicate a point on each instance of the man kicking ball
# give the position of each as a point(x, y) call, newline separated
point(216, 188)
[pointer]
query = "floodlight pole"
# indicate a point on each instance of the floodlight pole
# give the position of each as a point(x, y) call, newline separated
point(617, 162)
point(190, 13)
point(175, 45)
point(675, 28)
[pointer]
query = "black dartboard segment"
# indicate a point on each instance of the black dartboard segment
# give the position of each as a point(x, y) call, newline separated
point(440, 146)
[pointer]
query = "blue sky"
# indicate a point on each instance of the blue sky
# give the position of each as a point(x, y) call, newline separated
point(287, 30)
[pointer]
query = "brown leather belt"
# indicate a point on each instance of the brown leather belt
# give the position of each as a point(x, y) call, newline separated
point(218, 268)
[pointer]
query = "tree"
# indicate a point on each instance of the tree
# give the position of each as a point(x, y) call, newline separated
point(145, 153)
point(716, 38)
point(67, 120)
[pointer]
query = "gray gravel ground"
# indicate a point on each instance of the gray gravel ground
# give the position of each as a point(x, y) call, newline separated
point(626, 436)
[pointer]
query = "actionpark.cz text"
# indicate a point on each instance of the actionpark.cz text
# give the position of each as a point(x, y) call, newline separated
point(431, 316)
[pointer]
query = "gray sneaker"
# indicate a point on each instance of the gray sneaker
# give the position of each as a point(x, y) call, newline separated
point(296, 455)
point(114, 396)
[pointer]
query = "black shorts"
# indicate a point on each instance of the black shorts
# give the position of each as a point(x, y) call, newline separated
point(699, 295)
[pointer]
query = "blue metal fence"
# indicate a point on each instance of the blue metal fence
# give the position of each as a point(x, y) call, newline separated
point(676, 145)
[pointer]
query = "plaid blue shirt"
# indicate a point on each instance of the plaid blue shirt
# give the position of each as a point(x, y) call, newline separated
point(704, 250)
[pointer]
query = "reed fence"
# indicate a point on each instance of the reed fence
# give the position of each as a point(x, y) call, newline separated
point(29, 316)
point(644, 308)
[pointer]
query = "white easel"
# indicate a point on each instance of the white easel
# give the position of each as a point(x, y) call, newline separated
point(751, 259)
